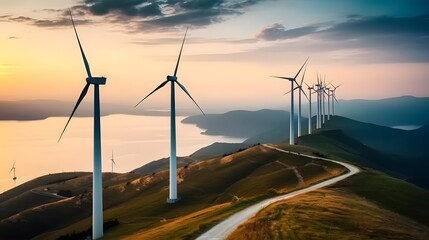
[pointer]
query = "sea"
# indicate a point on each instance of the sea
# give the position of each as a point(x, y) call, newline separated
point(132, 140)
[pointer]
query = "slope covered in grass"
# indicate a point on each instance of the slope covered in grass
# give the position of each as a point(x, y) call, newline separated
point(337, 143)
point(210, 190)
point(368, 205)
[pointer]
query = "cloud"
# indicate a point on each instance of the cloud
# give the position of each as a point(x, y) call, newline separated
point(146, 15)
point(358, 38)
point(178, 40)
point(277, 31)
point(355, 27)
point(50, 23)
point(13, 37)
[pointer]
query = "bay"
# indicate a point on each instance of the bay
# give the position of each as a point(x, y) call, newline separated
point(134, 140)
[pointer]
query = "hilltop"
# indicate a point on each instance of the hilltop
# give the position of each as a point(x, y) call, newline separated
point(210, 190)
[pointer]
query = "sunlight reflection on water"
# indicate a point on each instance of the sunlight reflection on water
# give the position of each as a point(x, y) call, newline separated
point(135, 140)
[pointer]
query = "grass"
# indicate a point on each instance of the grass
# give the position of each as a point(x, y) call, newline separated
point(369, 205)
point(209, 191)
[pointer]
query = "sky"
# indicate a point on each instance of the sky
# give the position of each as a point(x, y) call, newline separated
point(377, 48)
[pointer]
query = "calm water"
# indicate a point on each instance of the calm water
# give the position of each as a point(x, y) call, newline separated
point(135, 140)
point(407, 127)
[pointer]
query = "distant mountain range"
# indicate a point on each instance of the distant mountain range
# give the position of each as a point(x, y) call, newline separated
point(400, 153)
point(397, 111)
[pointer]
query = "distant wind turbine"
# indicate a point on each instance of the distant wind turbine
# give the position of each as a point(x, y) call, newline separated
point(334, 97)
point(318, 90)
point(97, 196)
point(291, 123)
point(172, 198)
point(329, 102)
point(309, 106)
point(299, 103)
point(323, 101)
point(113, 161)
point(14, 172)
point(299, 86)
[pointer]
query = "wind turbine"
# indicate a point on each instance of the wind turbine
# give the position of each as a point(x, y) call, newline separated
point(323, 101)
point(14, 172)
point(318, 85)
point(309, 106)
point(172, 197)
point(97, 195)
point(334, 97)
point(299, 100)
point(326, 90)
point(113, 161)
point(291, 123)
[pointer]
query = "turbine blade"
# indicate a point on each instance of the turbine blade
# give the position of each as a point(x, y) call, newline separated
point(81, 97)
point(307, 85)
point(287, 78)
point(290, 91)
point(114, 163)
point(303, 75)
point(13, 167)
point(189, 95)
point(156, 89)
point(85, 61)
point(304, 93)
point(180, 54)
point(338, 85)
point(301, 68)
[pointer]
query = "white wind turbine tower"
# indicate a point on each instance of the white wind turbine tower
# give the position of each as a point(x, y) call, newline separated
point(291, 122)
point(14, 172)
point(299, 101)
point(309, 107)
point(113, 161)
point(334, 97)
point(323, 101)
point(172, 198)
point(97, 195)
point(318, 85)
point(329, 103)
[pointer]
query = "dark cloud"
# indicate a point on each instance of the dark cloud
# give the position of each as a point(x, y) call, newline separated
point(277, 31)
point(13, 37)
point(370, 39)
point(355, 27)
point(196, 18)
point(360, 26)
point(124, 7)
point(145, 15)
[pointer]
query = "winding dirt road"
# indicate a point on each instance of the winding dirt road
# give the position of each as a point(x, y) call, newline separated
point(223, 229)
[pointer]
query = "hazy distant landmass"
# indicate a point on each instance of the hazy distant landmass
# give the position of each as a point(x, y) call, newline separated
point(42, 109)
point(399, 111)
point(400, 153)
point(406, 110)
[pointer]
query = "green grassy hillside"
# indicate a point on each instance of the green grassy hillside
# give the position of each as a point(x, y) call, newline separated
point(337, 143)
point(210, 190)
point(368, 205)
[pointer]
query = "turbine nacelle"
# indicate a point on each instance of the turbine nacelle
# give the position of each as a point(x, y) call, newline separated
point(96, 80)
point(171, 78)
